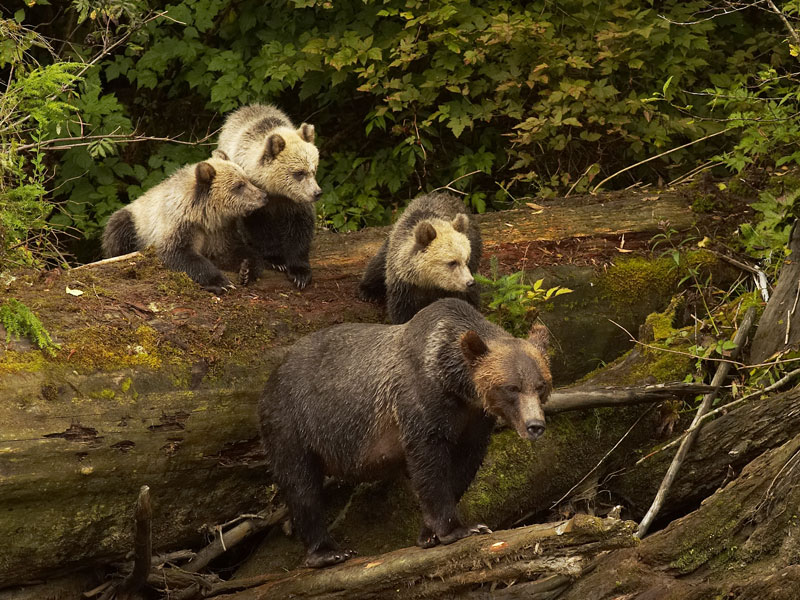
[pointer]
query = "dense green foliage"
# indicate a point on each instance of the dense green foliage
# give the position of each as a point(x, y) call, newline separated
point(509, 99)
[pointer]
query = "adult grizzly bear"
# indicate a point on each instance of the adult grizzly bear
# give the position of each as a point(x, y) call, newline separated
point(359, 401)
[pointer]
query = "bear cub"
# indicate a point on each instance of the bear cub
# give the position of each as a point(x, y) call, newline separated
point(190, 219)
point(281, 160)
point(361, 401)
point(431, 253)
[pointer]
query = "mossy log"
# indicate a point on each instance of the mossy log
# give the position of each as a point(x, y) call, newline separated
point(562, 549)
point(740, 544)
point(155, 382)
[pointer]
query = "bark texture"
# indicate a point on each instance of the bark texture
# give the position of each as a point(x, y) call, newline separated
point(156, 382)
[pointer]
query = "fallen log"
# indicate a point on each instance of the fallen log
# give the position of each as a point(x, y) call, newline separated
point(539, 551)
point(739, 544)
point(156, 380)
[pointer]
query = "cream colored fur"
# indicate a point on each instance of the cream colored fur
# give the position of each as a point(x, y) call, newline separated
point(161, 210)
point(279, 158)
point(441, 264)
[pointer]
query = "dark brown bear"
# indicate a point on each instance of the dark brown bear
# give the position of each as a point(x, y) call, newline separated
point(361, 401)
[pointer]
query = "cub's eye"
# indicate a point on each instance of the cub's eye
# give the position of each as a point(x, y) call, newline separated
point(452, 264)
point(299, 175)
point(512, 389)
point(239, 187)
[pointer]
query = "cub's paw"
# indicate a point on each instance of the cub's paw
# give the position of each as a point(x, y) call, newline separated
point(218, 285)
point(462, 532)
point(281, 268)
point(426, 538)
point(327, 558)
point(300, 277)
point(368, 295)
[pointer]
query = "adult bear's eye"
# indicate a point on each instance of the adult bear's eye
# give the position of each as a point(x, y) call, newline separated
point(299, 175)
point(512, 389)
point(452, 264)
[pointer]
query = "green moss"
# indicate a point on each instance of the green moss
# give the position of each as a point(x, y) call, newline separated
point(633, 280)
point(704, 203)
point(504, 475)
point(100, 347)
point(29, 362)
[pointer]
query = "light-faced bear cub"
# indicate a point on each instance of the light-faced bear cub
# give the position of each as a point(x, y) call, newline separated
point(431, 253)
point(360, 401)
point(281, 160)
point(190, 219)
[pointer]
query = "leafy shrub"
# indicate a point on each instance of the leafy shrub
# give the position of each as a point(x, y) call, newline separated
point(512, 303)
point(502, 100)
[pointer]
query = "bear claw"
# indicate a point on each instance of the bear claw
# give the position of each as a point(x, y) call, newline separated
point(326, 559)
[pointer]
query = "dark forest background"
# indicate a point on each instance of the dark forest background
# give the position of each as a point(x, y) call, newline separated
point(505, 101)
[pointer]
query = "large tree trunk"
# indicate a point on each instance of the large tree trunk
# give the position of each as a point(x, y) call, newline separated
point(156, 382)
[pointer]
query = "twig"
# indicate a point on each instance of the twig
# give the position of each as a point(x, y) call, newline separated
point(223, 541)
point(726, 407)
point(686, 444)
point(106, 261)
point(647, 160)
point(670, 350)
point(143, 546)
point(602, 460)
point(788, 25)
point(452, 189)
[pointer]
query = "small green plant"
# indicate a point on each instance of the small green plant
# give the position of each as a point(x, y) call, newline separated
point(768, 237)
point(19, 320)
point(512, 303)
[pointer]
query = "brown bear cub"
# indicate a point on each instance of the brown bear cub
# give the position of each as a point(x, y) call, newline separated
point(420, 397)
point(281, 160)
point(191, 220)
point(431, 253)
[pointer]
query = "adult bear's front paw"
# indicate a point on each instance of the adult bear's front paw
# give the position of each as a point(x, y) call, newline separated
point(317, 560)
point(462, 532)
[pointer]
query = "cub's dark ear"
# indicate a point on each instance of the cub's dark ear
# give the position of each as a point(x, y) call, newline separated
point(275, 145)
point(460, 223)
point(473, 346)
point(424, 233)
point(540, 338)
point(217, 153)
point(205, 174)
point(306, 132)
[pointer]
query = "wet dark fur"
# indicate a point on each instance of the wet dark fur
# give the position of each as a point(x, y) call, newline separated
point(404, 300)
point(119, 235)
point(361, 401)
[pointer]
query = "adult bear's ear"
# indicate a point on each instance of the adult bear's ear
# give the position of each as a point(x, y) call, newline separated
point(460, 223)
point(275, 145)
point(473, 347)
point(217, 153)
point(424, 233)
point(540, 338)
point(306, 132)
